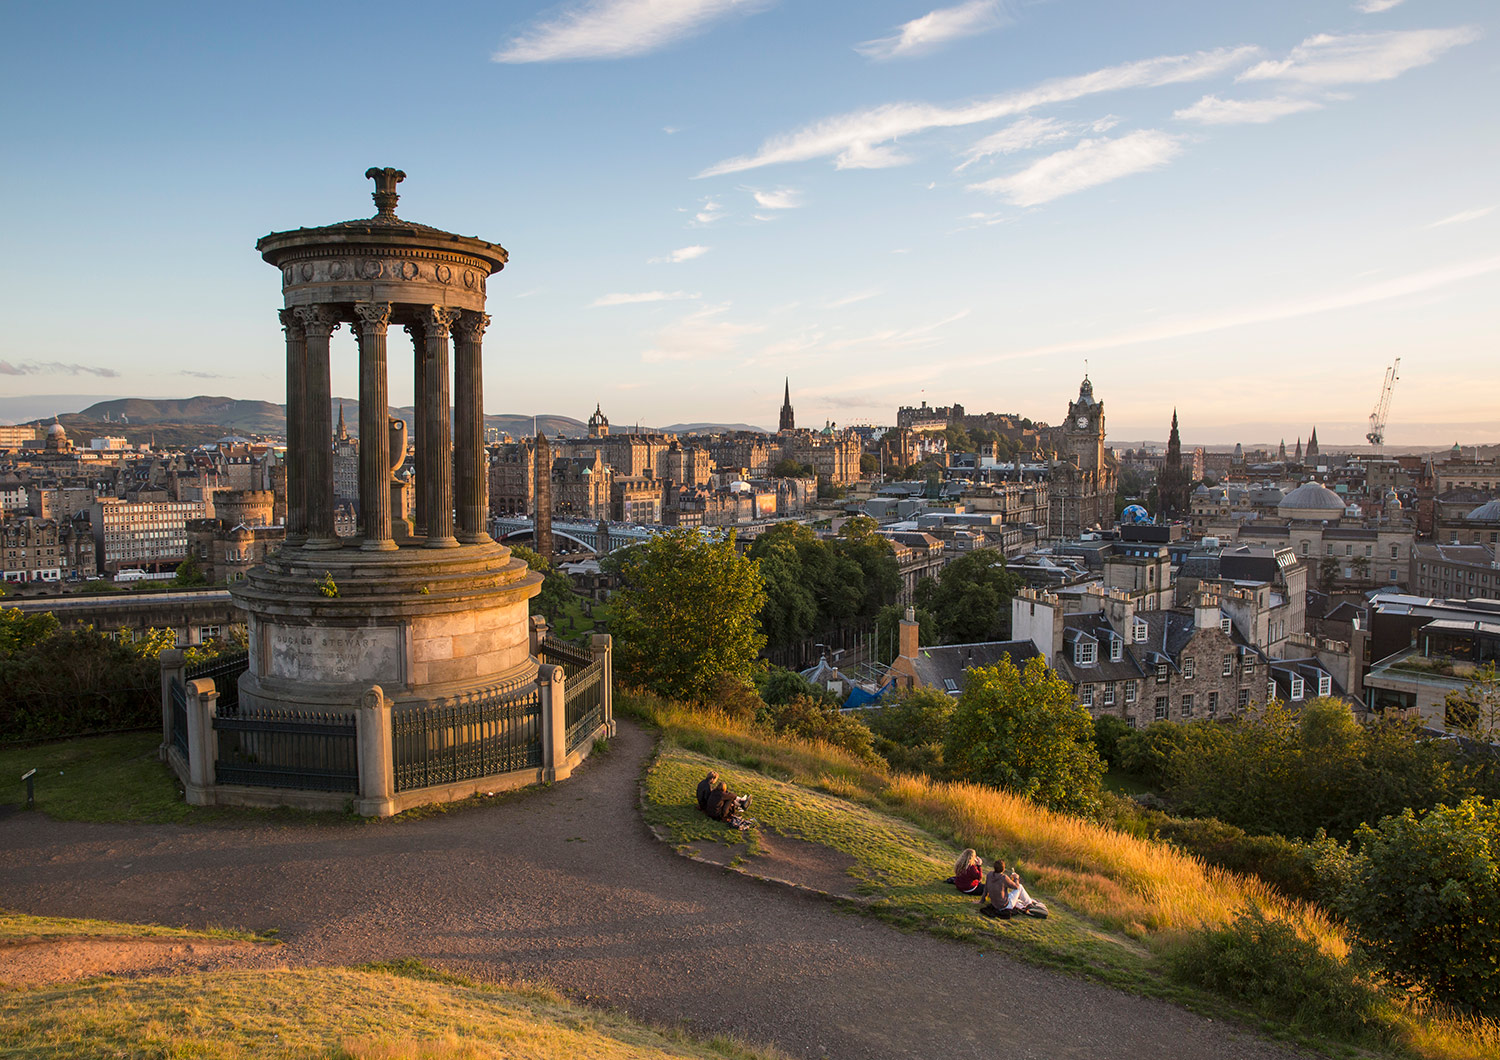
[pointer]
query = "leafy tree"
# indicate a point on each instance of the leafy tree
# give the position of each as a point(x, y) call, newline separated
point(189, 574)
point(971, 597)
point(687, 613)
point(813, 584)
point(858, 541)
point(557, 590)
point(910, 729)
point(869, 464)
point(1108, 731)
point(1424, 895)
point(809, 718)
point(778, 686)
point(1475, 711)
point(789, 468)
point(1023, 730)
point(22, 632)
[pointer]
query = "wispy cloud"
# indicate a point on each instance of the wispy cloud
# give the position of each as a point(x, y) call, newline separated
point(1086, 165)
point(612, 29)
point(642, 296)
point(1374, 7)
point(850, 299)
point(922, 35)
point(1020, 135)
point(709, 212)
point(779, 199)
point(201, 375)
point(861, 139)
point(1211, 110)
point(55, 368)
point(1369, 294)
point(1360, 57)
point(1463, 216)
point(702, 335)
point(681, 254)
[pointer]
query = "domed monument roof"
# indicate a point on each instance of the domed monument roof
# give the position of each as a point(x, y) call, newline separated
point(1311, 500)
point(1489, 512)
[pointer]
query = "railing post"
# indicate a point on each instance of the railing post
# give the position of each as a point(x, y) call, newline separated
point(377, 773)
point(604, 656)
point(173, 664)
point(549, 679)
point(202, 705)
point(538, 634)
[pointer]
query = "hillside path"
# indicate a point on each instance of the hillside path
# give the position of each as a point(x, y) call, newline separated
point(566, 885)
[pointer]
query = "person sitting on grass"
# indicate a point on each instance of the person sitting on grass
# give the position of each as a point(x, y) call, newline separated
point(968, 873)
point(1004, 896)
point(706, 788)
point(724, 805)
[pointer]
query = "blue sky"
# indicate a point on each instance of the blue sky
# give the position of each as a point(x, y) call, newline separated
point(1243, 210)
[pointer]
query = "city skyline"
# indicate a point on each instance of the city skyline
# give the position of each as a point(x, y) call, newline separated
point(1246, 215)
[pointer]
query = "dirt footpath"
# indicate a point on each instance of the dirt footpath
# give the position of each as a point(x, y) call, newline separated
point(566, 885)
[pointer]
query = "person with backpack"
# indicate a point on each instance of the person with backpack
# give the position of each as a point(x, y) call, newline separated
point(705, 789)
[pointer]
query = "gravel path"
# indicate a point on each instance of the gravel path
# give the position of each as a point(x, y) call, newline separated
point(566, 885)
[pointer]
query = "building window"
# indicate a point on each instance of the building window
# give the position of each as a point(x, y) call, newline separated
point(1348, 550)
point(1226, 625)
point(1083, 653)
point(1190, 667)
point(1129, 692)
point(1187, 705)
point(1130, 721)
point(1304, 548)
point(1086, 695)
point(1270, 691)
point(1161, 708)
point(1228, 668)
point(1325, 685)
point(1329, 549)
point(1369, 550)
point(1244, 700)
point(1249, 666)
point(1116, 649)
point(207, 633)
point(1139, 629)
point(1161, 673)
point(1109, 695)
point(1395, 552)
point(1213, 704)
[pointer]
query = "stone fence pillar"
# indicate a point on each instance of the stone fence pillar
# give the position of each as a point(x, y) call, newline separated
point(172, 666)
point(538, 634)
point(203, 747)
point(604, 655)
point(549, 679)
point(377, 765)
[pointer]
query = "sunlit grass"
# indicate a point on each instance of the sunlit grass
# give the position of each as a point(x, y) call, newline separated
point(18, 926)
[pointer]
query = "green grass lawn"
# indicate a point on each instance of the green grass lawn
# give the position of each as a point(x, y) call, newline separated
point(898, 867)
point(18, 926)
point(96, 778)
point(379, 1012)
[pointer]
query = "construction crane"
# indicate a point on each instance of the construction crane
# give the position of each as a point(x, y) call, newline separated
point(1376, 435)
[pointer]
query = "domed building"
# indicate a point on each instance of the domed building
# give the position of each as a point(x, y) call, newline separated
point(57, 440)
point(1311, 500)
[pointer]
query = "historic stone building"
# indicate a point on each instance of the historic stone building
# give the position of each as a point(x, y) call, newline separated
point(684, 465)
point(788, 420)
point(512, 471)
point(46, 550)
point(1173, 481)
point(1083, 477)
point(240, 535)
point(598, 423)
point(345, 467)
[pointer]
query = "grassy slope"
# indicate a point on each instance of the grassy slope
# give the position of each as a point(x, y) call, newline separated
point(101, 778)
point(1100, 884)
point(15, 927)
point(403, 1010)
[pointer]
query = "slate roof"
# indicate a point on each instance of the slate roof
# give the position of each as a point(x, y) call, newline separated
point(938, 666)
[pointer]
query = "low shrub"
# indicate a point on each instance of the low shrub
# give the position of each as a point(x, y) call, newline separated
point(1285, 976)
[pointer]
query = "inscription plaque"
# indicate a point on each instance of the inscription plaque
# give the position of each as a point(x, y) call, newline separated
point(366, 655)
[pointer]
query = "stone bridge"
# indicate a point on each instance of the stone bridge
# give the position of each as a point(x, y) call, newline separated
point(509, 530)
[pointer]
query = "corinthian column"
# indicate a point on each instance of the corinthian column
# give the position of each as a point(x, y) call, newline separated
point(471, 471)
point(372, 320)
point(437, 458)
point(296, 472)
point(319, 323)
point(419, 420)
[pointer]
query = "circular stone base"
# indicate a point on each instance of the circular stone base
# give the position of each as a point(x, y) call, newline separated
point(424, 624)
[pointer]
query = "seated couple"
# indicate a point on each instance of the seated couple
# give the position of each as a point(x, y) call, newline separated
point(1002, 895)
point(716, 800)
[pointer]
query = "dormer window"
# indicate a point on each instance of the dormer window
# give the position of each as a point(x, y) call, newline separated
point(1116, 649)
point(1139, 630)
point(1325, 685)
point(1083, 652)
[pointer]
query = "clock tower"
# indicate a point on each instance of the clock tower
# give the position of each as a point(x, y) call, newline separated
point(1083, 431)
point(1084, 477)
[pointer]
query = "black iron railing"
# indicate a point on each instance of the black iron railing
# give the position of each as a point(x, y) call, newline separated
point(571, 657)
point(178, 696)
point(494, 732)
point(301, 750)
point(583, 696)
point(225, 671)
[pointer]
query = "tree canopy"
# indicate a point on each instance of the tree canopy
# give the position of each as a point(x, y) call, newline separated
point(687, 613)
point(1024, 731)
point(556, 592)
point(970, 599)
point(815, 584)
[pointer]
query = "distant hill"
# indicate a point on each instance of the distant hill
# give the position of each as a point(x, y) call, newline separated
point(260, 417)
point(712, 428)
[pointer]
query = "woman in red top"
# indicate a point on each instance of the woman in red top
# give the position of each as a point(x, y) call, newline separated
point(968, 873)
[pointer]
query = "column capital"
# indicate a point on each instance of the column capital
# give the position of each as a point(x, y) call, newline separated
point(372, 318)
point(288, 318)
point(318, 320)
point(471, 325)
point(437, 320)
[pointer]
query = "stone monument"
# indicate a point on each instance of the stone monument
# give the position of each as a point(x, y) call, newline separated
point(428, 612)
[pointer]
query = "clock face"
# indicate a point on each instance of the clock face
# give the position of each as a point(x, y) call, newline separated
point(1083, 422)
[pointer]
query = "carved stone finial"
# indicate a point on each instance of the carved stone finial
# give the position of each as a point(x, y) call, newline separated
point(385, 188)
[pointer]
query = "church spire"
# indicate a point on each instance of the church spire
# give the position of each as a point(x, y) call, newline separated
point(788, 421)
